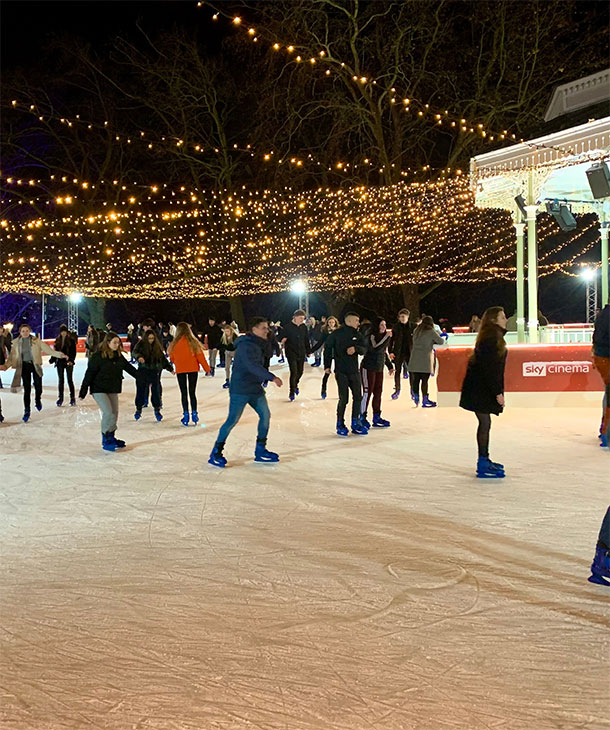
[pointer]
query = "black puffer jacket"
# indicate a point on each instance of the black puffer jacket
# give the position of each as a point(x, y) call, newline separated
point(484, 378)
point(105, 374)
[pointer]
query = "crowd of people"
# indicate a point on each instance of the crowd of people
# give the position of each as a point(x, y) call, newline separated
point(355, 348)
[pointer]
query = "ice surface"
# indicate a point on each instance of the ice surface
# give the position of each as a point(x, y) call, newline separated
point(370, 582)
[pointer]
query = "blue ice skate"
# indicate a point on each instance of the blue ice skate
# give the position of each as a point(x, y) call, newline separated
point(379, 422)
point(342, 429)
point(600, 568)
point(487, 469)
point(262, 454)
point(216, 457)
point(358, 428)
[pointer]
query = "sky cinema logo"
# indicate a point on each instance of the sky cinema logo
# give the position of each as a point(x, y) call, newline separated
point(559, 367)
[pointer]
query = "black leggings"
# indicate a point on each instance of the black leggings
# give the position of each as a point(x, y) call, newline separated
point(296, 371)
point(325, 382)
point(28, 373)
point(416, 379)
point(192, 387)
point(483, 433)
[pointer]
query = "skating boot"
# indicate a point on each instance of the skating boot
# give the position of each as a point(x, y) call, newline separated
point(145, 404)
point(212, 372)
point(600, 568)
point(195, 417)
point(323, 395)
point(395, 394)
point(60, 402)
point(364, 421)
point(379, 422)
point(26, 416)
point(342, 429)
point(216, 457)
point(487, 470)
point(291, 397)
point(38, 406)
point(185, 418)
point(108, 443)
point(261, 453)
point(415, 399)
point(427, 403)
point(405, 375)
point(603, 440)
point(358, 428)
point(282, 360)
point(265, 384)
point(138, 414)
point(72, 401)
point(158, 415)
point(119, 443)
point(226, 384)
point(296, 391)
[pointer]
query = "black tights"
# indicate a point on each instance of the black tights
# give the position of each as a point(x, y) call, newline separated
point(192, 386)
point(416, 380)
point(483, 433)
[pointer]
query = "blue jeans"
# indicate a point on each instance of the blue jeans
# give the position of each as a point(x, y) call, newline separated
point(237, 403)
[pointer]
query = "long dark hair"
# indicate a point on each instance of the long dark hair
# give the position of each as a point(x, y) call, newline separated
point(490, 331)
point(427, 323)
point(152, 351)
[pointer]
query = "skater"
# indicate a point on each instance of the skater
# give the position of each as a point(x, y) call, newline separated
point(483, 387)
point(371, 372)
point(331, 324)
point(227, 345)
point(315, 341)
point(186, 352)
point(213, 333)
point(295, 339)
point(104, 380)
point(246, 389)
point(601, 360)
point(600, 568)
point(92, 341)
point(26, 357)
point(420, 361)
point(400, 347)
point(151, 361)
point(65, 343)
point(343, 346)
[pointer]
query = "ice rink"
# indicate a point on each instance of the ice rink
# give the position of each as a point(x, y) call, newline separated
point(362, 583)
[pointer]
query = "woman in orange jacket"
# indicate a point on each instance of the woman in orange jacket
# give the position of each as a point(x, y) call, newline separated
point(186, 352)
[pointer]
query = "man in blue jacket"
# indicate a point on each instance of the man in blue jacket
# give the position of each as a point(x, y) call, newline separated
point(246, 388)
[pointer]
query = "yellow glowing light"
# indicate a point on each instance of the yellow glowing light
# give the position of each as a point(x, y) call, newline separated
point(236, 20)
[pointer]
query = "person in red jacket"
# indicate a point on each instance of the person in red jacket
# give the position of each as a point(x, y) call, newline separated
point(186, 352)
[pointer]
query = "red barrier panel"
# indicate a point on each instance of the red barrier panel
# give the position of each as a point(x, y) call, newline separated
point(529, 368)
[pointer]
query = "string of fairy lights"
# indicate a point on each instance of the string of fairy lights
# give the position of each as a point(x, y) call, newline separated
point(169, 245)
point(296, 53)
point(151, 142)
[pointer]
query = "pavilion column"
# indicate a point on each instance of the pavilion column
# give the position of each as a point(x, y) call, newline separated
point(532, 273)
point(604, 230)
point(520, 229)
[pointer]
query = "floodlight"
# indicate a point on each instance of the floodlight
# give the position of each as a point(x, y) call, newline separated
point(75, 297)
point(588, 274)
point(298, 286)
point(562, 215)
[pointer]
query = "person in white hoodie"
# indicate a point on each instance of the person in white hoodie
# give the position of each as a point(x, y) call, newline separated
point(26, 358)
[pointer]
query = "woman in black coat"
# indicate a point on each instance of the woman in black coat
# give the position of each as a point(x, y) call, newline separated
point(483, 386)
point(104, 379)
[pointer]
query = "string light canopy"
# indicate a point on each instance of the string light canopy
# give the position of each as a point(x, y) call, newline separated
point(185, 244)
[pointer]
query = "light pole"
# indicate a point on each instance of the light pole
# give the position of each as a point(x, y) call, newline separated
point(300, 287)
point(73, 301)
point(590, 278)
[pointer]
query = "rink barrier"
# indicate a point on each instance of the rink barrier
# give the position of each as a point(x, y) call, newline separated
point(540, 376)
